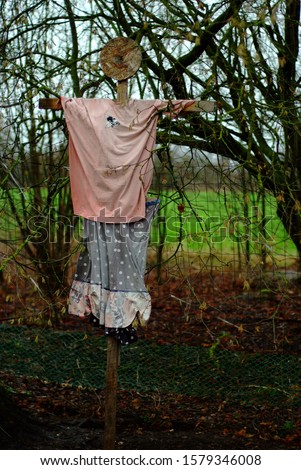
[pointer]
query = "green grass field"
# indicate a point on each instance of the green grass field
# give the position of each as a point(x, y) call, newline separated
point(224, 225)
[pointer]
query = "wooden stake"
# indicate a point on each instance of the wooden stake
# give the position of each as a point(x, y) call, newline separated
point(122, 92)
point(113, 353)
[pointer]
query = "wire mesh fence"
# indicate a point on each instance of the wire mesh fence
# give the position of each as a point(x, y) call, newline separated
point(79, 359)
point(204, 241)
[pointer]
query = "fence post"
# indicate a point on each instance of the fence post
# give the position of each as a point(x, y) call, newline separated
point(113, 353)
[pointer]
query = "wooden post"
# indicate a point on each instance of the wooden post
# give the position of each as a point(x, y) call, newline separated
point(113, 352)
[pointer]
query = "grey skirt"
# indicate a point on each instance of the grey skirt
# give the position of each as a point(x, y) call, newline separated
point(109, 285)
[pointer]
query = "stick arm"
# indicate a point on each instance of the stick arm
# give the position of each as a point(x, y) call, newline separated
point(197, 107)
point(200, 106)
point(50, 103)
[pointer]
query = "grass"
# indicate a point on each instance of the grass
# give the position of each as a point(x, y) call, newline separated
point(222, 225)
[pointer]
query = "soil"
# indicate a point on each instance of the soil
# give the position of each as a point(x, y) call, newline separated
point(199, 309)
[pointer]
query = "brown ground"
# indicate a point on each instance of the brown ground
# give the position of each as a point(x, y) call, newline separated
point(256, 318)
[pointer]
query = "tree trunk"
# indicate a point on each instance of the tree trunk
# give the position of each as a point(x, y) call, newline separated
point(289, 215)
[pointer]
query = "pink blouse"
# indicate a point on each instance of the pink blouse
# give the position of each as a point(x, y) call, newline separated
point(110, 155)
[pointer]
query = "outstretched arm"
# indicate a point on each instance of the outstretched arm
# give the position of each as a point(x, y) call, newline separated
point(202, 106)
point(196, 107)
point(50, 103)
